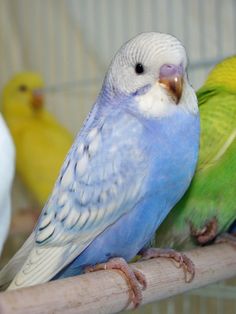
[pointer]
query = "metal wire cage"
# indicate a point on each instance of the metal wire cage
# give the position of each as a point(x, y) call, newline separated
point(71, 43)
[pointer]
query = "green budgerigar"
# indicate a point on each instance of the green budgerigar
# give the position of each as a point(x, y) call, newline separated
point(209, 206)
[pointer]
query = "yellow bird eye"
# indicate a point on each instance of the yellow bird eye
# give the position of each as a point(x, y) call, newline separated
point(23, 88)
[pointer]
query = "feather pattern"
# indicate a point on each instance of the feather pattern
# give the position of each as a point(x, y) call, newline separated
point(87, 204)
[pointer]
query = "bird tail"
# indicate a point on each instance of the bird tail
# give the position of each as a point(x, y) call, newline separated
point(14, 265)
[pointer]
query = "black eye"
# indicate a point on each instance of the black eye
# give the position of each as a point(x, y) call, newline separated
point(23, 88)
point(139, 69)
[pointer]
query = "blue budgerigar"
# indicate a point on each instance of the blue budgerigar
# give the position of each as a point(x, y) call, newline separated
point(131, 162)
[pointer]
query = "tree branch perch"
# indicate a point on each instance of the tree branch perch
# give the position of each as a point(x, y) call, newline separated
point(107, 291)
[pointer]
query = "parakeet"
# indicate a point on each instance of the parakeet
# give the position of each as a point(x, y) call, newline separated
point(41, 141)
point(7, 170)
point(208, 208)
point(131, 162)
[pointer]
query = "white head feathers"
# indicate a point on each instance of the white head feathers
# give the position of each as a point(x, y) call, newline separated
point(151, 51)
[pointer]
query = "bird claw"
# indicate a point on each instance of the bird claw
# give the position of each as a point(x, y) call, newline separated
point(133, 277)
point(181, 259)
point(226, 238)
point(207, 233)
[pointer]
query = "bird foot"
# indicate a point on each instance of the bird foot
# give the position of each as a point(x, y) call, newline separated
point(134, 277)
point(227, 238)
point(181, 259)
point(207, 233)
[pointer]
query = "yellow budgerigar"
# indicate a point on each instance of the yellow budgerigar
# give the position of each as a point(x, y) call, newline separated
point(41, 141)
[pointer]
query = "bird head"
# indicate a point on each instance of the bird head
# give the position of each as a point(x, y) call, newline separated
point(22, 95)
point(151, 67)
point(224, 75)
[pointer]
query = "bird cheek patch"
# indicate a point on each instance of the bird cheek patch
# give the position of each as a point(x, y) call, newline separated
point(143, 90)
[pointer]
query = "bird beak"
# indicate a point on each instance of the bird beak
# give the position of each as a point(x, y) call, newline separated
point(37, 99)
point(171, 78)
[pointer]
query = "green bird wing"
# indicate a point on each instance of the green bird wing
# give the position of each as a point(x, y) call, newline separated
point(218, 124)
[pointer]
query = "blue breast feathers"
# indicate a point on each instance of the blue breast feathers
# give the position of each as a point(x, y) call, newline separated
point(141, 177)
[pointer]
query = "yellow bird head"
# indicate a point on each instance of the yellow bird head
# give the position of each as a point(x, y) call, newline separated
point(22, 95)
point(224, 74)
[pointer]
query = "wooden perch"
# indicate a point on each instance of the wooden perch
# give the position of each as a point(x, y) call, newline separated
point(107, 291)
